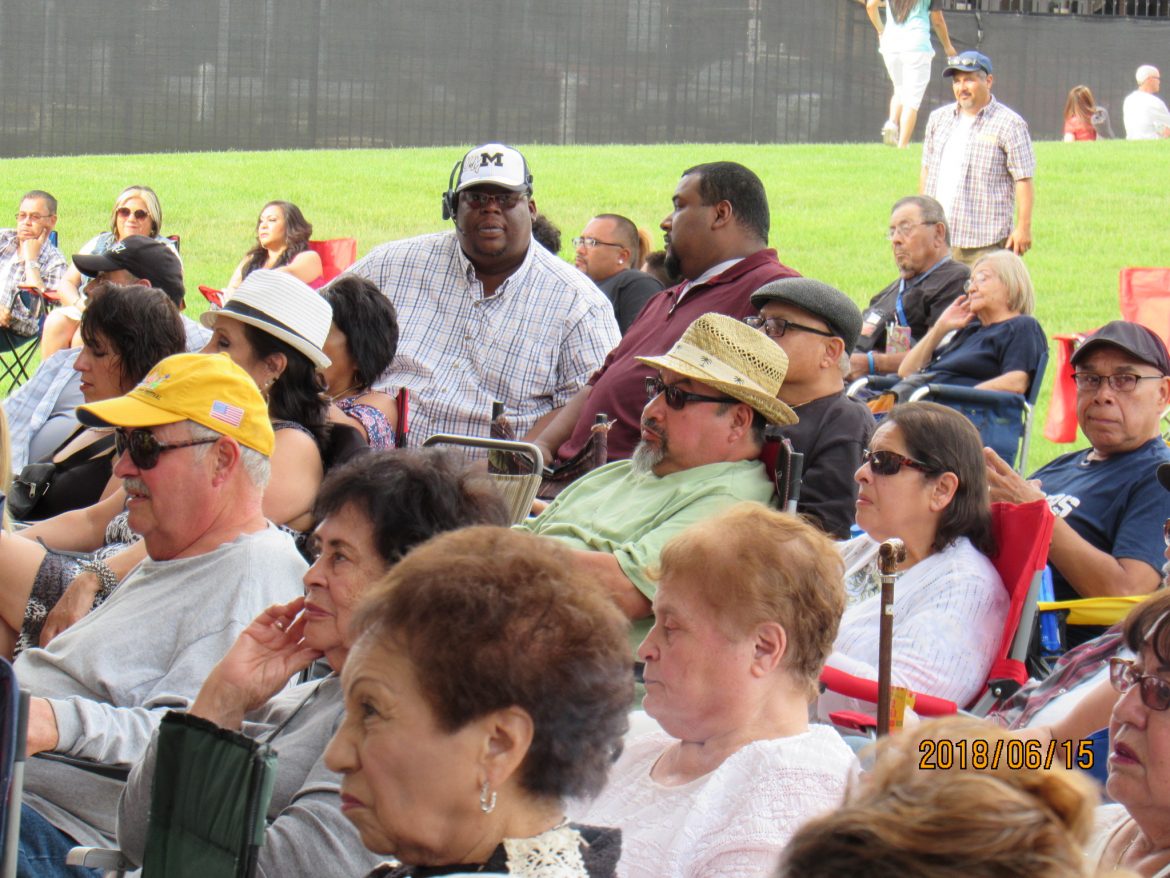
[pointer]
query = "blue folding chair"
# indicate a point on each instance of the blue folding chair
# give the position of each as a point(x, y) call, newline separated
point(1004, 420)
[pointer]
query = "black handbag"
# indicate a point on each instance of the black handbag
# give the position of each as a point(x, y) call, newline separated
point(29, 488)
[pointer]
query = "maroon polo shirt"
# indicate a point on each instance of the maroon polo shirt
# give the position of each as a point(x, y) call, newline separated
point(619, 385)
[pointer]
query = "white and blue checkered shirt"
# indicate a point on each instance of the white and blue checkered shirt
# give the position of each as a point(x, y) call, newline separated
point(531, 345)
point(52, 265)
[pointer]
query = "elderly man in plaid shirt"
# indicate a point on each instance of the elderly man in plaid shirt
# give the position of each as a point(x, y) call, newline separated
point(27, 259)
point(977, 161)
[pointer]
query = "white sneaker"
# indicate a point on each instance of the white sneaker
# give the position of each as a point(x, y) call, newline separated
point(890, 134)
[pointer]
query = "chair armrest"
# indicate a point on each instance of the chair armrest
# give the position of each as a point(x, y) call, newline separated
point(959, 393)
point(872, 382)
point(867, 690)
point(114, 772)
point(106, 859)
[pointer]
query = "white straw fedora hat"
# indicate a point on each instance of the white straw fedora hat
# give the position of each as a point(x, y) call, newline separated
point(279, 304)
point(730, 356)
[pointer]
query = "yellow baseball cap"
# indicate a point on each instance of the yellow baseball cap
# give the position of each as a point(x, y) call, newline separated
point(208, 389)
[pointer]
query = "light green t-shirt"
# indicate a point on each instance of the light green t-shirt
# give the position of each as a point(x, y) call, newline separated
point(633, 516)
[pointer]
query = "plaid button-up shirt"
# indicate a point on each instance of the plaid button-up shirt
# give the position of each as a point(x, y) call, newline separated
point(999, 154)
point(531, 345)
point(52, 265)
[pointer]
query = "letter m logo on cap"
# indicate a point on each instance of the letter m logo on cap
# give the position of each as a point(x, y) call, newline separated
point(491, 158)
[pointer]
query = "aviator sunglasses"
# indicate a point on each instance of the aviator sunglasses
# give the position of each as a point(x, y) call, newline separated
point(1123, 676)
point(145, 448)
point(890, 463)
point(676, 397)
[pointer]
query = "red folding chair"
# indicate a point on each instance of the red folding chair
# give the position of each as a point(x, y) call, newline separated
point(403, 401)
point(1023, 533)
point(337, 254)
point(1143, 296)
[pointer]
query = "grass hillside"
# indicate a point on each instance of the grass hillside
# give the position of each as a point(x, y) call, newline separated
point(1099, 206)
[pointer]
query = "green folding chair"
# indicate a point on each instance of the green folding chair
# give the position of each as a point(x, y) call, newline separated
point(208, 804)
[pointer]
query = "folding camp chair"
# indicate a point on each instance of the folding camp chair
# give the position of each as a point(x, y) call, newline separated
point(337, 254)
point(1023, 533)
point(402, 401)
point(13, 730)
point(1004, 420)
point(208, 804)
point(515, 468)
point(17, 352)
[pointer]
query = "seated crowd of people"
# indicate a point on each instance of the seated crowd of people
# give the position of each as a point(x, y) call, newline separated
point(232, 518)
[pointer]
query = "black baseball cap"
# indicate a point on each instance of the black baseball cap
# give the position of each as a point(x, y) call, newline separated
point(1133, 338)
point(145, 258)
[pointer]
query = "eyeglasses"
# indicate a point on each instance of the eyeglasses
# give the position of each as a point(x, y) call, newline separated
point(139, 214)
point(977, 280)
point(1122, 382)
point(903, 230)
point(32, 217)
point(590, 243)
point(775, 327)
point(890, 463)
point(145, 448)
point(676, 397)
point(1123, 676)
point(505, 200)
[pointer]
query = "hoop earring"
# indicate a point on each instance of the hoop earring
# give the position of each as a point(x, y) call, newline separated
point(486, 804)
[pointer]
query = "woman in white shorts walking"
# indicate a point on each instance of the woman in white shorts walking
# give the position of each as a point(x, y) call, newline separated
point(904, 42)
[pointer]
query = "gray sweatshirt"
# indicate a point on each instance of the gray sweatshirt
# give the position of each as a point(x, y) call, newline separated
point(307, 834)
point(111, 676)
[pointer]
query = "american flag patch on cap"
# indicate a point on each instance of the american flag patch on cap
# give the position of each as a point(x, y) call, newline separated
point(229, 414)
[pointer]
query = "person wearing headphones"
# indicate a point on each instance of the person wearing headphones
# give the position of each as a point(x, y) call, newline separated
point(487, 314)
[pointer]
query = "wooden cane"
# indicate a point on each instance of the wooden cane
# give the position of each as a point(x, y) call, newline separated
point(891, 553)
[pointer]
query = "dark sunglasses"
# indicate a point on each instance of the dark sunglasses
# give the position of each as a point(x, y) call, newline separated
point(145, 448)
point(1123, 676)
point(140, 214)
point(890, 463)
point(676, 397)
point(506, 200)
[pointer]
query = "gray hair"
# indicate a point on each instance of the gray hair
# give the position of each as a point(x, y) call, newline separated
point(1010, 269)
point(932, 212)
point(255, 464)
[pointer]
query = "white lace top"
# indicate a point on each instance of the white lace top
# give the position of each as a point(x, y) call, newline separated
point(732, 822)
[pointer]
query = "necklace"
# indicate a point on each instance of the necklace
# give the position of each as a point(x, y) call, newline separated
point(344, 394)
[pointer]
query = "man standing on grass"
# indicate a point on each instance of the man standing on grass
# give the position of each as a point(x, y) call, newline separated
point(1145, 114)
point(716, 238)
point(27, 259)
point(928, 280)
point(487, 314)
point(977, 162)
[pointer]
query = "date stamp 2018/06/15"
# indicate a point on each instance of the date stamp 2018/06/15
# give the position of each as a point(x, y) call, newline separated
point(981, 754)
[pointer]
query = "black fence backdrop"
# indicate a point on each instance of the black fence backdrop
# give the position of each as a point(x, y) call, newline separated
point(101, 76)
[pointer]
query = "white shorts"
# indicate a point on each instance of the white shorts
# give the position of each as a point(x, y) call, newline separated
point(910, 73)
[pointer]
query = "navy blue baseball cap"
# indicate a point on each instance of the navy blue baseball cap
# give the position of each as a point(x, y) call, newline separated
point(967, 62)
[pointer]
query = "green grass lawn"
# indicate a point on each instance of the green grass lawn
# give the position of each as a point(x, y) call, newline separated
point(1099, 207)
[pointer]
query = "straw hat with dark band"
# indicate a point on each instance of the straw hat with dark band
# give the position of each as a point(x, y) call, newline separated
point(284, 307)
point(731, 357)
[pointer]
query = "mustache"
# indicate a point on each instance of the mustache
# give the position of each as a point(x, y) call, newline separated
point(651, 425)
point(134, 485)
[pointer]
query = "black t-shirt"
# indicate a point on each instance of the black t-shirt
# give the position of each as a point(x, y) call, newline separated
point(629, 290)
point(978, 353)
point(831, 434)
point(924, 299)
